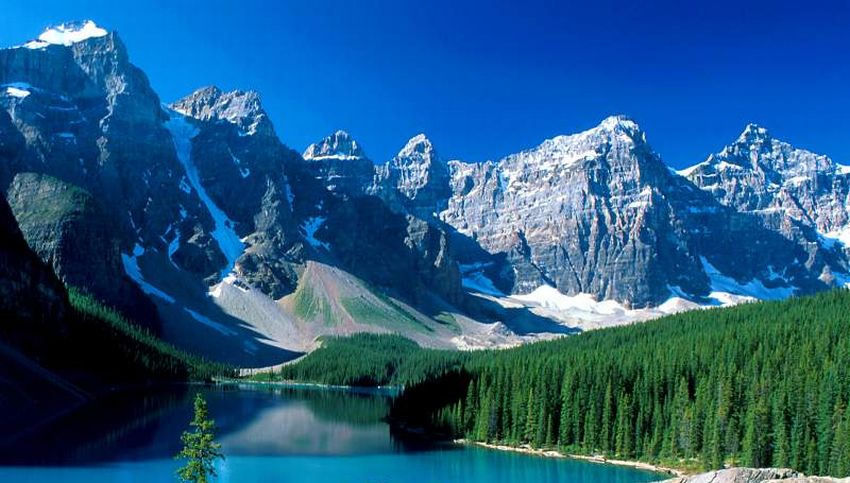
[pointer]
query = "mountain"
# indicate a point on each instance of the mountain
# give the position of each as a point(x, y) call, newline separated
point(793, 191)
point(195, 219)
point(60, 348)
point(83, 114)
point(600, 213)
point(168, 206)
point(763, 175)
point(342, 164)
point(415, 181)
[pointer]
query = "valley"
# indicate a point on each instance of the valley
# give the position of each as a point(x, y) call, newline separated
point(401, 318)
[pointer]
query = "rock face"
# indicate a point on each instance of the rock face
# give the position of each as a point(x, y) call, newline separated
point(239, 166)
point(763, 175)
point(754, 475)
point(415, 181)
point(71, 232)
point(32, 299)
point(598, 212)
point(341, 164)
point(399, 253)
point(82, 113)
point(800, 194)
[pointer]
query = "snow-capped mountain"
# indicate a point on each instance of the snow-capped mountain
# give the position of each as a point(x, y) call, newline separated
point(248, 251)
point(762, 175)
point(599, 213)
point(196, 207)
point(77, 110)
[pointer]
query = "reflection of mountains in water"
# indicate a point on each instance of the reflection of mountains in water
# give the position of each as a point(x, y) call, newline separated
point(251, 420)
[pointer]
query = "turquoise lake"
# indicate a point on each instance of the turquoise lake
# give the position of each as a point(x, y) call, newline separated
point(271, 435)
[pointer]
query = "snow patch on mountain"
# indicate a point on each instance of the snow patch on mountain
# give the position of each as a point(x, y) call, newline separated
point(210, 323)
point(723, 286)
point(474, 279)
point(840, 236)
point(549, 297)
point(19, 90)
point(67, 34)
point(182, 132)
point(243, 170)
point(309, 229)
point(131, 268)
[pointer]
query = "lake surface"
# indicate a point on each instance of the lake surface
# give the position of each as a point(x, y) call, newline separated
point(270, 435)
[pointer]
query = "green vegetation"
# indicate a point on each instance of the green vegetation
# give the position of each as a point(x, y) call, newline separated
point(200, 451)
point(58, 201)
point(125, 351)
point(365, 312)
point(764, 384)
point(369, 360)
point(448, 320)
point(308, 306)
point(389, 315)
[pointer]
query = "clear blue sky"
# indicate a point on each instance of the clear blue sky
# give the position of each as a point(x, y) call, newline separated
point(484, 79)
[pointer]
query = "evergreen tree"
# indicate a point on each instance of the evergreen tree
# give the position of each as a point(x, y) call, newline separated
point(762, 384)
point(200, 450)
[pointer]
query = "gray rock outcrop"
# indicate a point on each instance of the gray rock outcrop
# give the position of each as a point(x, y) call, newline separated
point(754, 475)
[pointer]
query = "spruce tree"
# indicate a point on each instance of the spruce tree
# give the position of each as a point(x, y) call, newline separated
point(200, 450)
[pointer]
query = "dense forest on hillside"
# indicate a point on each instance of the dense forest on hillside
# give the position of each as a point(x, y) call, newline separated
point(758, 384)
point(123, 351)
point(369, 360)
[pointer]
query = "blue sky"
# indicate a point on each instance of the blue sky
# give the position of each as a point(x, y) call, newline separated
point(484, 79)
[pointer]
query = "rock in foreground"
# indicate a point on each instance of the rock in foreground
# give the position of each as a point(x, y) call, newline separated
point(752, 475)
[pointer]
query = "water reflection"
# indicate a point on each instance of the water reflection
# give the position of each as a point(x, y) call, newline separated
point(251, 420)
point(269, 434)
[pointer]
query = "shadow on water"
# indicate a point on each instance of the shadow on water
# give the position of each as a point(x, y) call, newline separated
point(251, 420)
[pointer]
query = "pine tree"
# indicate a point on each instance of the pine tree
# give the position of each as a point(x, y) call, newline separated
point(199, 447)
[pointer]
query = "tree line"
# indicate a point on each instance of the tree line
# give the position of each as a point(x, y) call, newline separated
point(762, 384)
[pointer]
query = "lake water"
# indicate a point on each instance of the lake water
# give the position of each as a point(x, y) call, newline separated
point(270, 435)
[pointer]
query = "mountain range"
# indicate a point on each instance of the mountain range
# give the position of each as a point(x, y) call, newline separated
point(196, 221)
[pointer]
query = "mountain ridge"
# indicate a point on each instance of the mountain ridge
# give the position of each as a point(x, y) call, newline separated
point(580, 231)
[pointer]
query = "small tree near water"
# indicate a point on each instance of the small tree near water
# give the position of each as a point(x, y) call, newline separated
point(199, 447)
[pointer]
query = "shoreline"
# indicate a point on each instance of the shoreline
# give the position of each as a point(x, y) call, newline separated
point(380, 390)
point(526, 449)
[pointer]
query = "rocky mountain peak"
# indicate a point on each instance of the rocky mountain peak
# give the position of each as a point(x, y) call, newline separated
point(757, 149)
point(620, 123)
point(752, 133)
point(618, 129)
point(615, 137)
point(241, 108)
point(339, 145)
point(418, 148)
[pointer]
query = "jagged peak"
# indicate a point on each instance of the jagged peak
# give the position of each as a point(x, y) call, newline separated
point(608, 129)
point(569, 149)
point(242, 108)
point(619, 122)
point(67, 34)
point(339, 145)
point(756, 149)
point(753, 132)
point(418, 146)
